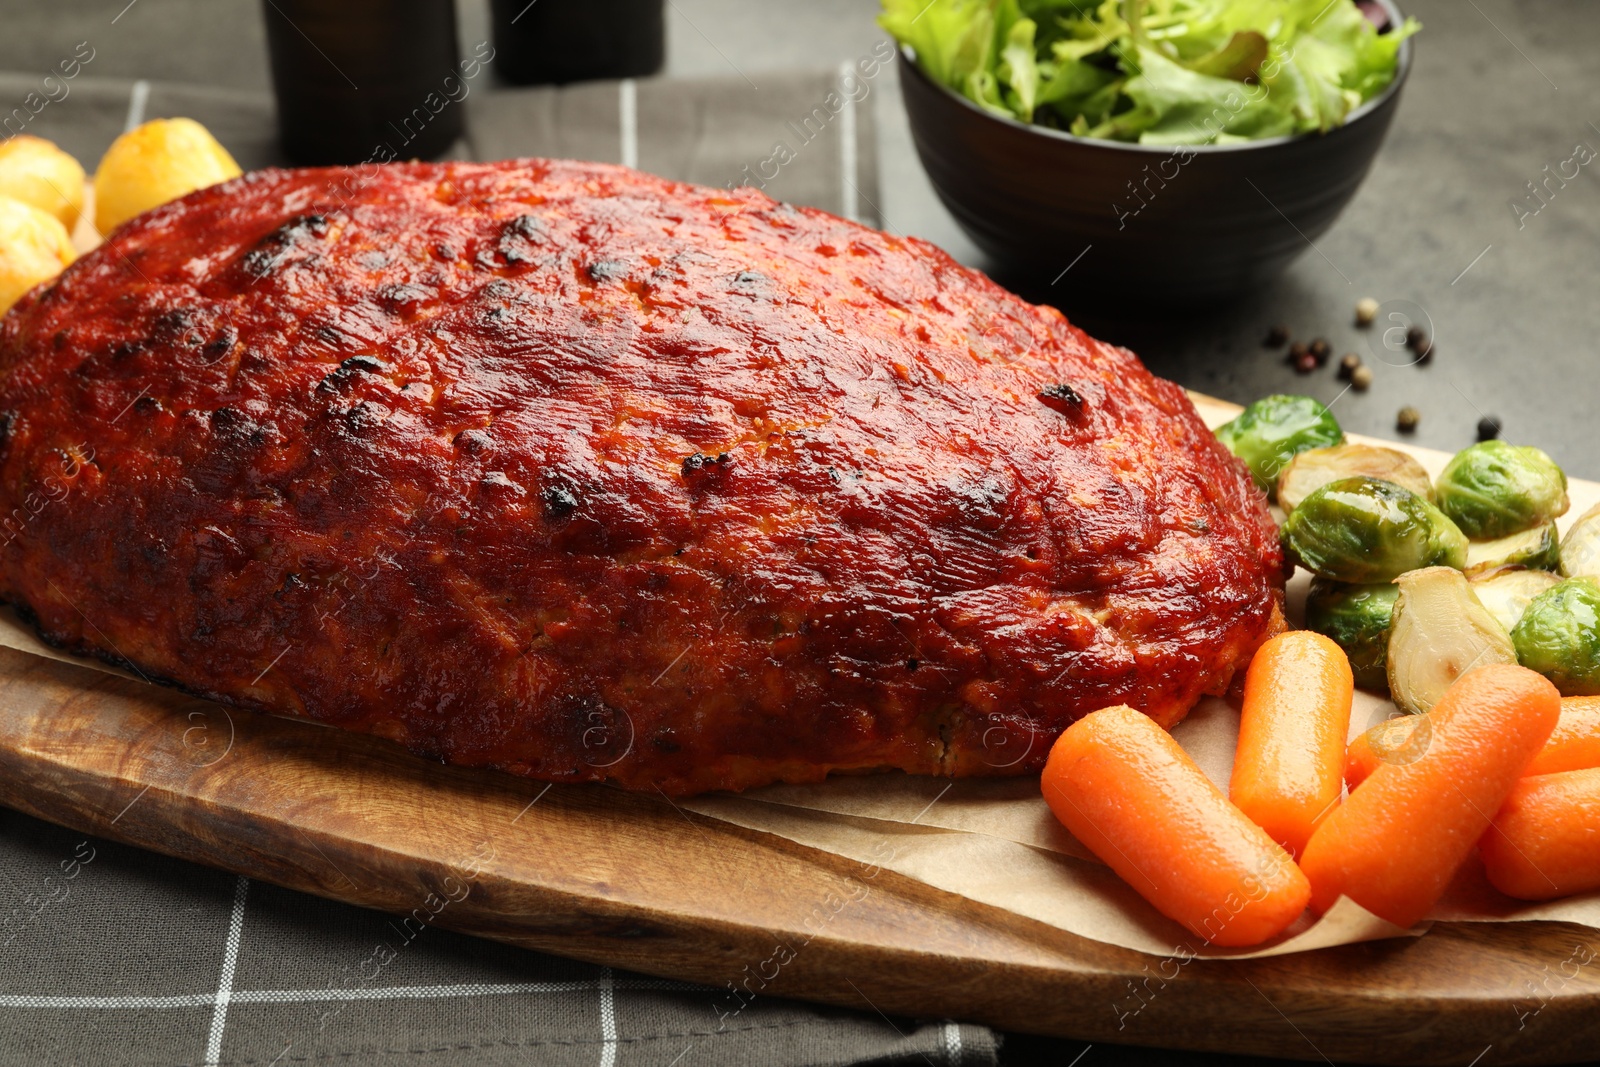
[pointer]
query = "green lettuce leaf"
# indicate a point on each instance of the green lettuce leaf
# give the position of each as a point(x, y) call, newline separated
point(1094, 109)
point(1377, 59)
point(1190, 108)
point(1019, 68)
point(1238, 60)
point(953, 39)
point(1072, 82)
point(1158, 71)
point(983, 89)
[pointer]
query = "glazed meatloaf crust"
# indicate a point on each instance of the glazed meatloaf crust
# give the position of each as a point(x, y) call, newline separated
point(583, 474)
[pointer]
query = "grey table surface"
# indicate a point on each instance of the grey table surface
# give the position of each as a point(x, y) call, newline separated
point(1501, 89)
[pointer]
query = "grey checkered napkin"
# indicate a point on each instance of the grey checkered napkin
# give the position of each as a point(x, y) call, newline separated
point(116, 956)
point(804, 138)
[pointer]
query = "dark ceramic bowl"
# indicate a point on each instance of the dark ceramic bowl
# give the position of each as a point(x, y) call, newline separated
point(1161, 227)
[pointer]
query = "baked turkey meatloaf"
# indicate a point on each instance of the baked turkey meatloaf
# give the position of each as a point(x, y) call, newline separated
point(583, 474)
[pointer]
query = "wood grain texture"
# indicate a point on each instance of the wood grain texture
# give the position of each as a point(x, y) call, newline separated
point(633, 881)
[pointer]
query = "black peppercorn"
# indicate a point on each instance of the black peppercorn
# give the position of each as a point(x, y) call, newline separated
point(1415, 336)
point(1276, 337)
point(1321, 349)
point(1297, 351)
point(1347, 365)
point(1488, 428)
point(1424, 350)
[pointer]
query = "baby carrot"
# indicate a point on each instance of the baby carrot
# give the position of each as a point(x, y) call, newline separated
point(1575, 744)
point(1394, 845)
point(1125, 789)
point(1546, 840)
point(1288, 769)
point(1391, 741)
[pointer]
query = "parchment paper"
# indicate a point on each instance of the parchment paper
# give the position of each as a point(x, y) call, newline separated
point(996, 842)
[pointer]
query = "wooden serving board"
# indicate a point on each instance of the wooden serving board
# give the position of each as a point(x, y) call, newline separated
point(634, 881)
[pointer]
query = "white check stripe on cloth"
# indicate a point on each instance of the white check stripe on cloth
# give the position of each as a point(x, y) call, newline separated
point(230, 963)
point(628, 121)
point(952, 1041)
point(138, 97)
point(307, 996)
point(608, 1019)
point(849, 208)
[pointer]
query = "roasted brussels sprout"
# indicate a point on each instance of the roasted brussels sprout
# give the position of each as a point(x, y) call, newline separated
point(1313, 469)
point(1273, 430)
point(1559, 636)
point(1538, 549)
point(1580, 549)
point(1439, 632)
point(1356, 617)
point(1362, 530)
point(1493, 489)
point(1506, 592)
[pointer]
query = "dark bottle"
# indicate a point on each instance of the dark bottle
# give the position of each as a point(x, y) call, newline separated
point(366, 80)
point(556, 41)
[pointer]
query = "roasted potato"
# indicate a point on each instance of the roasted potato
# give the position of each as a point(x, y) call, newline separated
point(36, 172)
point(157, 162)
point(34, 246)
